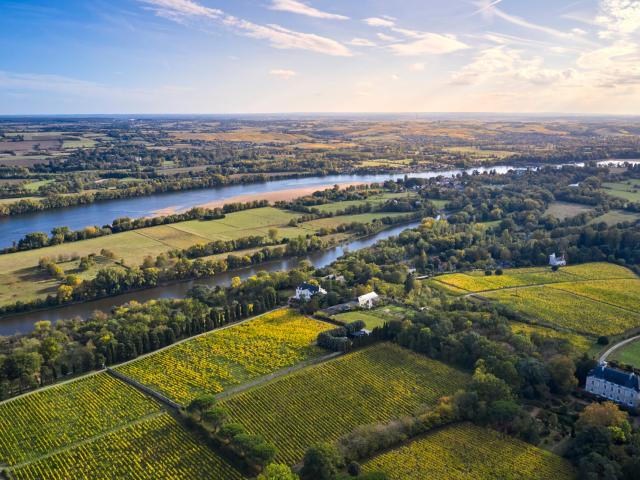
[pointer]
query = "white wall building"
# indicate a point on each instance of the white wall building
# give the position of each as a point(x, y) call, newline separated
point(557, 261)
point(305, 291)
point(368, 300)
point(615, 385)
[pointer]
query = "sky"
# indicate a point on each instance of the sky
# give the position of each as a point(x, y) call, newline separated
point(281, 56)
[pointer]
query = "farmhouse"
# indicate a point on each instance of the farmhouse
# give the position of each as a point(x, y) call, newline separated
point(368, 300)
point(305, 291)
point(557, 261)
point(613, 384)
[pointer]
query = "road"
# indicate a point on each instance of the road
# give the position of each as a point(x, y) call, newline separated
point(612, 349)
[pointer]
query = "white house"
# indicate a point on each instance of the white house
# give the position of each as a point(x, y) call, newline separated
point(368, 300)
point(557, 261)
point(305, 291)
point(613, 384)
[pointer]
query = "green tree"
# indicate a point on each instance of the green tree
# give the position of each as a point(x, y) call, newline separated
point(277, 471)
point(321, 462)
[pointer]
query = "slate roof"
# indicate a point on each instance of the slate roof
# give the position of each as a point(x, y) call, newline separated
point(309, 287)
point(613, 375)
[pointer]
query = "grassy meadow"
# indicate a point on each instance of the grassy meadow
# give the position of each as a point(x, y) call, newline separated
point(629, 354)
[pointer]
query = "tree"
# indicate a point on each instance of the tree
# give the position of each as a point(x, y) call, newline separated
point(202, 403)
point(321, 462)
point(606, 414)
point(273, 234)
point(236, 282)
point(598, 467)
point(563, 374)
point(277, 471)
point(65, 293)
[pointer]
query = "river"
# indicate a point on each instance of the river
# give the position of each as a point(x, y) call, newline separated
point(101, 213)
point(22, 323)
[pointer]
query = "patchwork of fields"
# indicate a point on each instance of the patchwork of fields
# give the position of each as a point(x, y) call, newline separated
point(211, 363)
point(592, 299)
point(38, 423)
point(469, 452)
point(156, 448)
point(373, 318)
point(323, 402)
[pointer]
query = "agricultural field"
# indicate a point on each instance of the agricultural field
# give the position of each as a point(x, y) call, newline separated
point(580, 343)
point(373, 318)
point(155, 448)
point(614, 217)
point(323, 402)
point(477, 281)
point(335, 222)
point(564, 210)
point(469, 452)
point(227, 357)
point(41, 422)
point(373, 200)
point(565, 310)
point(627, 189)
point(628, 354)
point(606, 293)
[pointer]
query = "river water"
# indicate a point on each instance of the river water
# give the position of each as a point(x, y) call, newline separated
point(101, 213)
point(24, 322)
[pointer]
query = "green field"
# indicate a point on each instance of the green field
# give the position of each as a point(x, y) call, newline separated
point(628, 190)
point(156, 448)
point(335, 222)
point(21, 280)
point(469, 452)
point(373, 200)
point(41, 422)
point(564, 210)
point(581, 343)
point(614, 217)
point(593, 299)
point(323, 402)
point(373, 318)
point(477, 281)
point(223, 358)
point(629, 354)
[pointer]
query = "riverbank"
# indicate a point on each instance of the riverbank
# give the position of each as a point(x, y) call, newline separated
point(23, 322)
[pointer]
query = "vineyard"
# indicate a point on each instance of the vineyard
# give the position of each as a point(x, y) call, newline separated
point(566, 310)
point(581, 343)
point(323, 402)
point(38, 423)
point(213, 362)
point(519, 277)
point(156, 448)
point(469, 452)
point(621, 293)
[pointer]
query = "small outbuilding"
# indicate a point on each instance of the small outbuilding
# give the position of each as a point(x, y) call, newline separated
point(368, 300)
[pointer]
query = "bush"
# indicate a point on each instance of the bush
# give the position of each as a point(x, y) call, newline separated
point(603, 340)
point(499, 271)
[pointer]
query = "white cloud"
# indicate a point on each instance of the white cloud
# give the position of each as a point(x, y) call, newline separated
point(500, 66)
point(417, 67)
point(395, 77)
point(294, 6)
point(277, 36)
point(618, 17)
point(361, 42)
point(283, 74)
point(429, 43)
point(181, 8)
point(378, 22)
point(386, 38)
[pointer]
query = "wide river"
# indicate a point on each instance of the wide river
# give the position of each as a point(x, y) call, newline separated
point(100, 213)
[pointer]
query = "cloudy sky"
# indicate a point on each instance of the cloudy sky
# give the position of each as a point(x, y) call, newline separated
point(262, 56)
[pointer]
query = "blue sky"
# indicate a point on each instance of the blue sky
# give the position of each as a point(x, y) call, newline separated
point(261, 56)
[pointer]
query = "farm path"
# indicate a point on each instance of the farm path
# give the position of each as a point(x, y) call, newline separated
point(612, 349)
point(274, 375)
